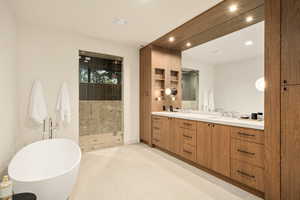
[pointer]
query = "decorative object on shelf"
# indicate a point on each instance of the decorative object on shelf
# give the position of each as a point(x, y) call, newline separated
point(260, 116)
point(6, 189)
point(254, 116)
point(174, 91)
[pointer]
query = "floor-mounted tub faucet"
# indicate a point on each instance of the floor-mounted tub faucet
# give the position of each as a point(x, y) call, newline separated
point(52, 128)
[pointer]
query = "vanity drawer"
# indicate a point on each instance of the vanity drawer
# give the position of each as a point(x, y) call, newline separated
point(157, 121)
point(187, 124)
point(156, 141)
point(189, 137)
point(251, 135)
point(188, 152)
point(156, 136)
point(251, 153)
point(156, 133)
point(247, 174)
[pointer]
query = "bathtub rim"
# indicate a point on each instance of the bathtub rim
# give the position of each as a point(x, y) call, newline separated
point(64, 172)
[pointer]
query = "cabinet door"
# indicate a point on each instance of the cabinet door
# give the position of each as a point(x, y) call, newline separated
point(204, 144)
point(221, 149)
point(145, 95)
point(175, 139)
point(290, 175)
point(165, 136)
point(290, 59)
point(170, 134)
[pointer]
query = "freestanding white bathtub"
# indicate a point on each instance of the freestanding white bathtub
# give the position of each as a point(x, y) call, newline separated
point(47, 168)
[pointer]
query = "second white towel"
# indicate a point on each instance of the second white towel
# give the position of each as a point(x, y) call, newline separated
point(63, 106)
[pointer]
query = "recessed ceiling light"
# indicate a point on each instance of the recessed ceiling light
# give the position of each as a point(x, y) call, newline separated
point(171, 39)
point(249, 43)
point(249, 19)
point(188, 44)
point(120, 21)
point(233, 8)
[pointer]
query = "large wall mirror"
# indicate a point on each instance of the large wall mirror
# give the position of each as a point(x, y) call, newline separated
point(226, 74)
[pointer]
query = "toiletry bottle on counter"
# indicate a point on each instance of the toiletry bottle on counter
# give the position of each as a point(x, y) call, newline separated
point(6, 189)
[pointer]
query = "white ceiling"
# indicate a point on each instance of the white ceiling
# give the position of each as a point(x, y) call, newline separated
point(230, 48)
point(147, 19)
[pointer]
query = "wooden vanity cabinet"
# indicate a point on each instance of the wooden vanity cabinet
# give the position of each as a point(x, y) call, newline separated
point(237, 153)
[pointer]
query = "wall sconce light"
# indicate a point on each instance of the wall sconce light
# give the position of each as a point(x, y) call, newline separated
point(260, 84)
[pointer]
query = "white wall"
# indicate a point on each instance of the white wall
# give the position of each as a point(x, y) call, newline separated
point(235, 86)
point(52, 56)
point(8, 87)
point(206, 75)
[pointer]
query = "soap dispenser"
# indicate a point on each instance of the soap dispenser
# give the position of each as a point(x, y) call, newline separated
point(6, 189)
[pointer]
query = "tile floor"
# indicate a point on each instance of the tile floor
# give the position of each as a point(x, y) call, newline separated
point(138, 172)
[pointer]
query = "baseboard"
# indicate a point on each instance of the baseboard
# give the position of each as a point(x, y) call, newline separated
point(134, 141)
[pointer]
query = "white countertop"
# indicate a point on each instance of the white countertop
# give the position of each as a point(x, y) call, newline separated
point(245, 123)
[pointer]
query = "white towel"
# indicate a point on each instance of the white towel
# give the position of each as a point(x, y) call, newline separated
point(37, 106)
point(211, 101)
point(205, 101)
point(63, 106)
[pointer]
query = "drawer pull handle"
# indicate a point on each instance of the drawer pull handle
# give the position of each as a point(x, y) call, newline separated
point(245, 174)
point(156, 128)
point(246, 134)
point(246, 152)
point(187, 151)
point(187, 136)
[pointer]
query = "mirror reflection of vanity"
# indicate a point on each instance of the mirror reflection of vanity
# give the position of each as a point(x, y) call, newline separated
point(225, 75)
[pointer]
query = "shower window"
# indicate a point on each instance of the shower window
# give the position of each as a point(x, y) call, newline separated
point(100, 79)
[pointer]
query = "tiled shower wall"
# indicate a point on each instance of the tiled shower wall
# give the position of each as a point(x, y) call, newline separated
point(101, 124)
